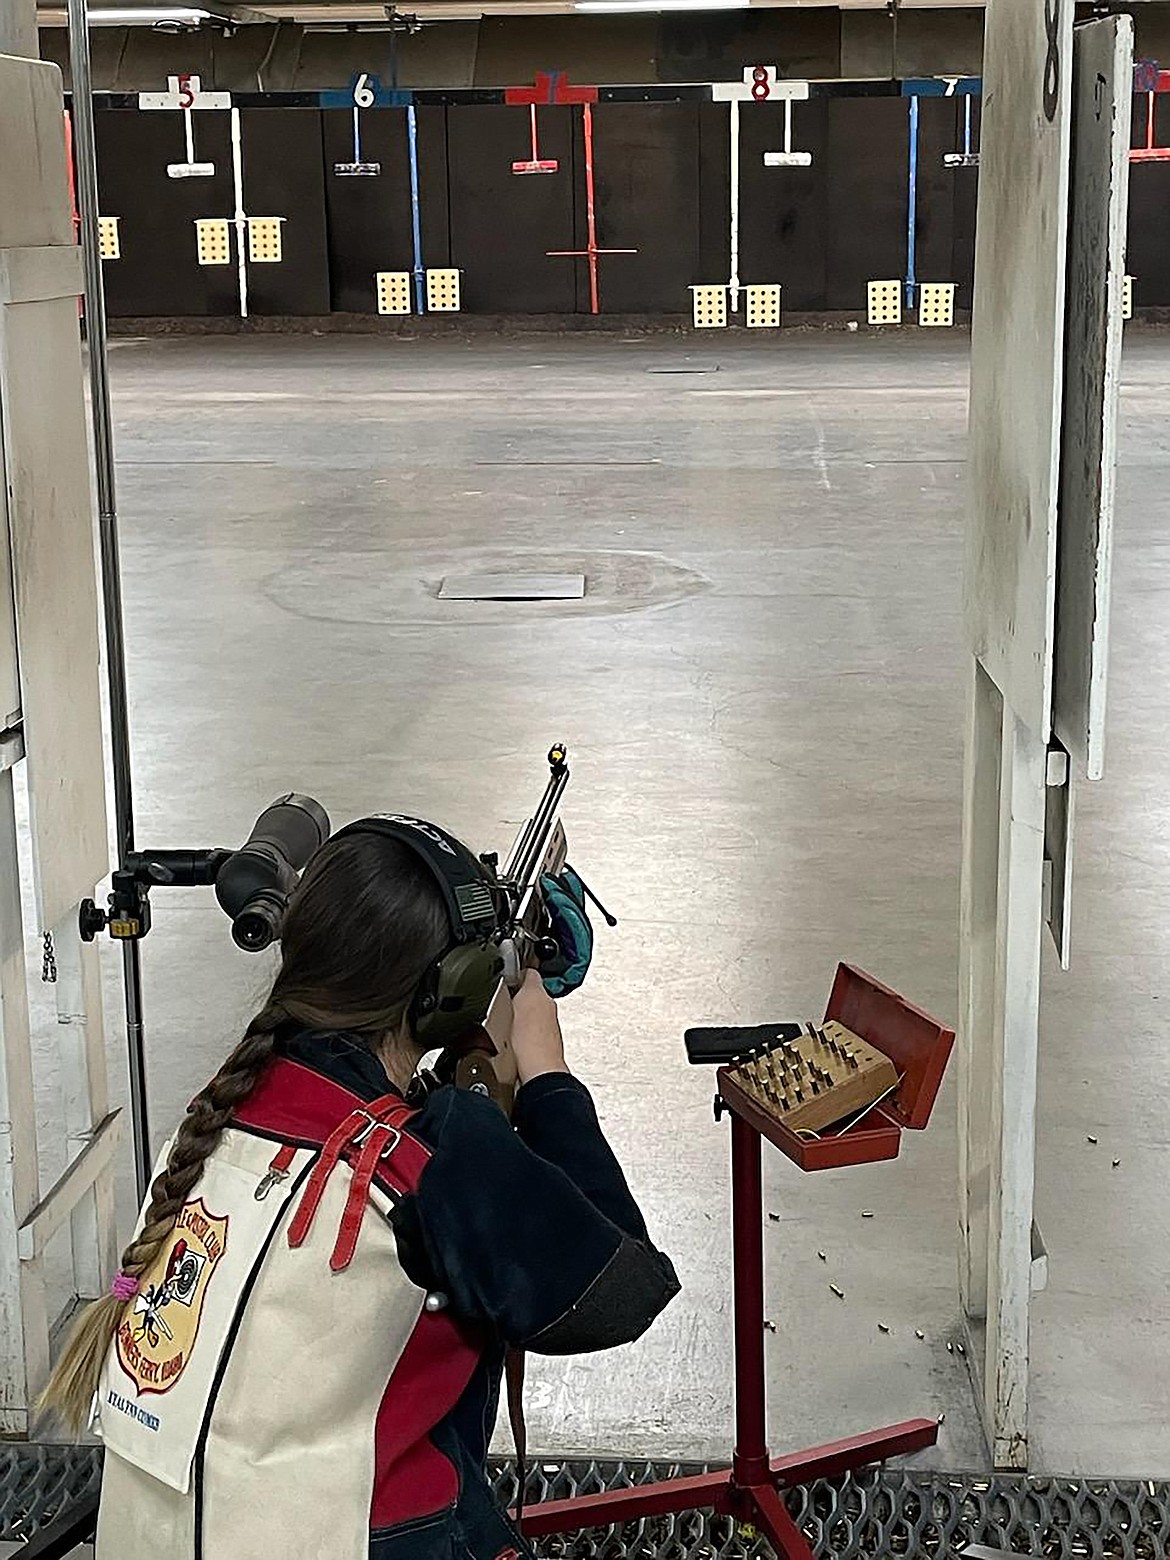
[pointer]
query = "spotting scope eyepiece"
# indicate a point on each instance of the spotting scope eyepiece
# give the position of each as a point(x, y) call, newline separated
point(254, 883)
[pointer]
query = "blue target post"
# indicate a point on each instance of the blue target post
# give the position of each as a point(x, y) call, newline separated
point(912, 207)
point(415, 209)
point(367, 92)
point(914, 90)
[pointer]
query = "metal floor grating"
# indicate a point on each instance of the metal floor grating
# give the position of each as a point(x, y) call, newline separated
point(876, 1514)
point(39, 1482)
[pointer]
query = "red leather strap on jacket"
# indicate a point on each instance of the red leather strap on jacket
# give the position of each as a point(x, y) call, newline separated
point(383, 1139)
point(389, 1109)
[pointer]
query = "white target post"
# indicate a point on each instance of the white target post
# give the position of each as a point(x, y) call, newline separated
point(364, 96)
point(788, 157)
point(760, 84)
point(258, 240)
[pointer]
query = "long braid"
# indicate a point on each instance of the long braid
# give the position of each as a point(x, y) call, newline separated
point(73, 1383)
point(363, 925)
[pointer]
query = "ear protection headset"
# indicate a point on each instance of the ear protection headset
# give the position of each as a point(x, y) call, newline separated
point(456, 989)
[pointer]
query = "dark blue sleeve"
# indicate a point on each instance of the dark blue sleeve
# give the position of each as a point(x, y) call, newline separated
point(517, 1243)
point(555, 1116)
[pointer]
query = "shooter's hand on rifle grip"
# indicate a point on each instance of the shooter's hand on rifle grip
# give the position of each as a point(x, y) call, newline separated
point(536, 1030)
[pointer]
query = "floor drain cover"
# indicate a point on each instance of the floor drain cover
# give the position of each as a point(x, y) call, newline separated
point(512, 587)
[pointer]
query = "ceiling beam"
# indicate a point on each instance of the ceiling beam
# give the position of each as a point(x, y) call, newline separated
point(51, 13)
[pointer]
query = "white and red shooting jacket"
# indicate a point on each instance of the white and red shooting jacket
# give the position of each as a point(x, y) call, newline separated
point(311, 1368)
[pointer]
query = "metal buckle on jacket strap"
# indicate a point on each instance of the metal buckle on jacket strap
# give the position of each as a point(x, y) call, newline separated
point(360, 1137)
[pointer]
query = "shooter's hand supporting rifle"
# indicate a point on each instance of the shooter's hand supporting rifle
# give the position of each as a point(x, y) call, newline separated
point(570, 929)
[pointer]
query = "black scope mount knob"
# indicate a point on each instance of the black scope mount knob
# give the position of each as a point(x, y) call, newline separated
point(92, 920)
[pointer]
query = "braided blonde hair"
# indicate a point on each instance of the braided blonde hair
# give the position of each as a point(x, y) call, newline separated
point(72, 1385)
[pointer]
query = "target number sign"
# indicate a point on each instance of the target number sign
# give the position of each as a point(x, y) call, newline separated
point(760, 84)
point(763, 80)
point(184, 92)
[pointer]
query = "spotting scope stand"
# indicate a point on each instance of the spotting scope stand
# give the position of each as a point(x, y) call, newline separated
point(128, 912)
point(252, 885)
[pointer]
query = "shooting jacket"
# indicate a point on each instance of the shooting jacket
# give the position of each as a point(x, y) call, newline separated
point(312, 1367)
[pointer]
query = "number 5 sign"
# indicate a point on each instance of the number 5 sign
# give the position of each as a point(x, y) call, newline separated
point(184, 92)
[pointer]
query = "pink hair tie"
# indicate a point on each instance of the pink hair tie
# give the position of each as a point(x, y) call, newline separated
point(124, 1287)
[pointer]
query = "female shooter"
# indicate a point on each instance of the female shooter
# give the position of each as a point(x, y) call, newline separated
point(301, 1354)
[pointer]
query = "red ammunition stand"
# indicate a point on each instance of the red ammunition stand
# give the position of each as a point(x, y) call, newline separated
point(750, 1490)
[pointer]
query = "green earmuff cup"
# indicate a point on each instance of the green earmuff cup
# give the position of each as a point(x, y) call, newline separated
point(456, 993)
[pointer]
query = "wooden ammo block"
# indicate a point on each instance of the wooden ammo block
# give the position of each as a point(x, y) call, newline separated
point(822, 1078)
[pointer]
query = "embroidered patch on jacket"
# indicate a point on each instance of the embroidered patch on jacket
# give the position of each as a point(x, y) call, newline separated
point(156, 1337)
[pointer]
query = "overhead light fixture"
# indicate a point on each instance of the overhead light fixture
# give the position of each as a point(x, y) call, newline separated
point(150, 16)
point(614, 7)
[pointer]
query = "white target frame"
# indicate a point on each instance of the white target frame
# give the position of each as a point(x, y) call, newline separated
point(185, 95)
point(760, 84)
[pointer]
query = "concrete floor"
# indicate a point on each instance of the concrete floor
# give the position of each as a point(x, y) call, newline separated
point(762, 692)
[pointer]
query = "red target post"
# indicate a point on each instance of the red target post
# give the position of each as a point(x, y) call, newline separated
point(550, 86)
point(592, 250)
point(1148, 78)
point(553, 87)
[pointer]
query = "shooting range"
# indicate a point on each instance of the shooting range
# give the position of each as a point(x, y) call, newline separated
point(759, 408)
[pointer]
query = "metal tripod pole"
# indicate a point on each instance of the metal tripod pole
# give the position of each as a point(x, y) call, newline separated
point(103, 446)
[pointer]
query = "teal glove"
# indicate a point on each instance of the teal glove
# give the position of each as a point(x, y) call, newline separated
point(564, 897)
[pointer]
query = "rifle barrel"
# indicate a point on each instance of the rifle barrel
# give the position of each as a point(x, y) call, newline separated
point(524, 863)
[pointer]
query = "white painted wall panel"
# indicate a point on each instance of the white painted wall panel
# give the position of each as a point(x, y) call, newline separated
point(1098, 200)
point(46, 473)
point(1016, 350)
